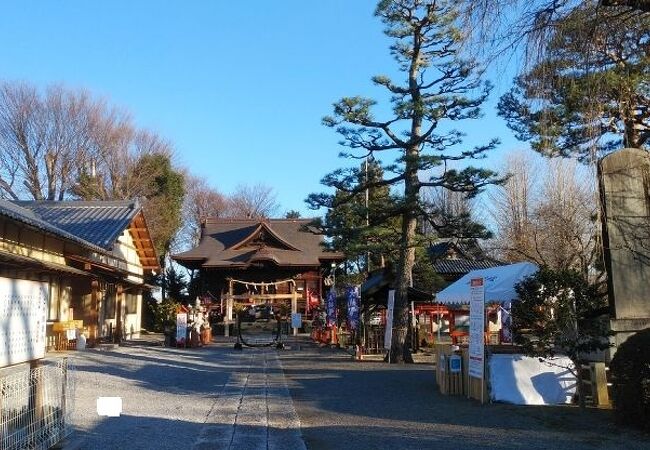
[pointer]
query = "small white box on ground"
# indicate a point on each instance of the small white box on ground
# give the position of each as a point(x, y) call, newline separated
point(109, 406)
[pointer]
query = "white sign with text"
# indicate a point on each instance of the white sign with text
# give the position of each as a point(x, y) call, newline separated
point(23, 314)
point(477, 328)
point(181, 327)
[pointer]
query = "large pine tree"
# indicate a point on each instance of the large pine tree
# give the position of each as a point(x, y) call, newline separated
point(438, 88)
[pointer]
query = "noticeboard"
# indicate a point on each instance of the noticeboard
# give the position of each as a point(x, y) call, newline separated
point(476, 328)
point(181, 327)
point(23, 314)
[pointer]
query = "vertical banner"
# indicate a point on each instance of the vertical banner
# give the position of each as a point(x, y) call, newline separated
point(476, 328)
point(388, 333)
point(331, 307)
point(352, 294)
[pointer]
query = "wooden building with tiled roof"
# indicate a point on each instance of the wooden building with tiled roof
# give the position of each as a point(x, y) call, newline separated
point(453, 258)
point(260, 260)
point(88, 259)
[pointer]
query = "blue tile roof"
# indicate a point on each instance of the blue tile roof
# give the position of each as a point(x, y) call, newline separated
point(30, 218)
point(98, 222)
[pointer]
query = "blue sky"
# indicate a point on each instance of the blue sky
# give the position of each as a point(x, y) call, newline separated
point(239, 87)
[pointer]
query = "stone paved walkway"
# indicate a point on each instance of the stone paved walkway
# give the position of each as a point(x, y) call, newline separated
point(254, 410)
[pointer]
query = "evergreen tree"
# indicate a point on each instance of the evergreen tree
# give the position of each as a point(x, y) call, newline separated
point(438, 87)
point(586, 97)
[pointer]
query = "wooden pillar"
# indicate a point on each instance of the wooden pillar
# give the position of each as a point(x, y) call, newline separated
point(294, 305)
point(117, 335)
point(94, 310)
point(599, 384)
point(35, 401)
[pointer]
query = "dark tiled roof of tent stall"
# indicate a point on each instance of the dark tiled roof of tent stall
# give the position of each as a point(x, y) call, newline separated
point(98, 222)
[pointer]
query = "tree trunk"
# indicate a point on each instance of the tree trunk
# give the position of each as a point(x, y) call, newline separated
point(399, 351)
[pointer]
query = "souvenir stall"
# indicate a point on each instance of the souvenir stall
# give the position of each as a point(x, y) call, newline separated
point(482, 362)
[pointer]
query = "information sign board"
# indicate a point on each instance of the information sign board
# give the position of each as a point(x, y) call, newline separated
point(23, 314)
point(181, 328)
point(476, 327)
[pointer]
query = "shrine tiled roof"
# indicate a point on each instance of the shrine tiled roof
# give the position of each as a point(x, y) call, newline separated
point(459, 256)
point(230, 243)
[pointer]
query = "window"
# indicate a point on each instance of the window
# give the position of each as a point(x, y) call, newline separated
point(131, 303)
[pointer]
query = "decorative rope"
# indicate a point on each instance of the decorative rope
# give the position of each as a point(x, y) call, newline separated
point(262, 284)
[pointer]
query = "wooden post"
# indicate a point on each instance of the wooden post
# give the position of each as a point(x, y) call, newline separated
point(94, 309)
point(64, 368)
point(35, 401)
point(117, 336)
point(294, 305)
point(599, 390)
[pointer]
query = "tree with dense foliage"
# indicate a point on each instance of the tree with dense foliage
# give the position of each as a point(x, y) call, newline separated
point(560, 312)
point(585, 97)
point(438, 87)
point(357, 228)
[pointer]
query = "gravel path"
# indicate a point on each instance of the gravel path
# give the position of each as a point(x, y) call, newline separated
point(209, 398)
point(343, 404)
point(306, 397)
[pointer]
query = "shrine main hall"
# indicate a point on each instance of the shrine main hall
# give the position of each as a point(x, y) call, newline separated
point(261, 261)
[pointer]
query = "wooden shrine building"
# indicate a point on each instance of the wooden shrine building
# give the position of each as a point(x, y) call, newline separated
point(257, 261)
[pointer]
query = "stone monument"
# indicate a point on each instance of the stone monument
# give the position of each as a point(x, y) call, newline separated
point(625, 199)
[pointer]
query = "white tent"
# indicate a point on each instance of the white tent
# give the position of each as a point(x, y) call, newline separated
point(499, 284)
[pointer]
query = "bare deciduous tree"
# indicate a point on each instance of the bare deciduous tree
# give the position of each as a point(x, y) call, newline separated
point(201, 201)
point(254, 201)
point(44, 139)
point(549, 220)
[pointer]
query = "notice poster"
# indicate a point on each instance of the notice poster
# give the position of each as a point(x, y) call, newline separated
point(23, 313)
point(476, 328)
point(330, 307)
point(352, 295)
point(296, 320)
point(388, 333)
point(181, 328)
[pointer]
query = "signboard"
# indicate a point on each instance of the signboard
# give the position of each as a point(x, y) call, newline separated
point(455, 363)
point(296, 320)
point(67, 325)
point(181, 328)
point(388, 333)
point(476, 327)
point(23, 314)
point(352, 294)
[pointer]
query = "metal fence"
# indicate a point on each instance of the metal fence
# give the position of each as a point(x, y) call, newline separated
point(36, 406)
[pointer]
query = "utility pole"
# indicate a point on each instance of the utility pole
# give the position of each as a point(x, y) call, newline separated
point(367, 217)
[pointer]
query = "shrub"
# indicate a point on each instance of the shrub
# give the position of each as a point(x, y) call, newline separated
point(630, 371)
